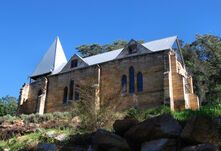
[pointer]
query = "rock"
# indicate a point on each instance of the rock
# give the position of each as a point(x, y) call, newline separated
point(114, 149)
point(76, 120)
point(80, 140)
point(103, 140)
point(51, 134)
point(122, 126)
point(46, 147)
point(159, 145)
point(69, 148)
point(163, 126)
point(217, 120)
point(202, 147)
point(201, 130)
point(60, 137)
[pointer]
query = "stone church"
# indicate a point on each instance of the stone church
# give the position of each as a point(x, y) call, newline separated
point(138, 75)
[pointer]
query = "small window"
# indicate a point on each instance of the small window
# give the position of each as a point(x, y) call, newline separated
point(139, 82)
point(39, 93)
point(38, 100)
point(74, 63)
point(65, 95)
point(132, 48)
point(124, 84)
point(131, 80)
point(77, 94)
point(71, 87)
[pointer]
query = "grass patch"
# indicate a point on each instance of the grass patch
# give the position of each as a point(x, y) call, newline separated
point(30, 140)
point(211, 111)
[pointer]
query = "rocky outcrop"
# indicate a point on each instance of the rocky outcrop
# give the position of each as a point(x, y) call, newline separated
point(122, 126)
point(163, 144)
point(103, 140)
point(202, 147)
point(164, 126)
point(202, 130)
point(46, 147)
point(161, 133)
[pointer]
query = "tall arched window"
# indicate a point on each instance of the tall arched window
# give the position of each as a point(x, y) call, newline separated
point(131, 78)
point(77, 94)
point(38, 100)
point(65, 97)
point(71, 87)
point(139, 82)
point(124, 84)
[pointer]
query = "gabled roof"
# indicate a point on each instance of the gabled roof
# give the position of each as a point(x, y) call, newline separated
point(52, 62)
point(156, 45)
point(81, 63)
point(161, 44)
point(103, 57)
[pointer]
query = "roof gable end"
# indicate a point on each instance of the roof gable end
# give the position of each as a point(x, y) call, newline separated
point(133, 48)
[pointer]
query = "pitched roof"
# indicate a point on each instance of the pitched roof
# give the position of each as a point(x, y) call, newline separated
point(156, 45)
point(161, 44)
point(53, 61)
point(103, 57)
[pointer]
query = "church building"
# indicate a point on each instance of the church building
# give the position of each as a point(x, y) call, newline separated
point(139, 75)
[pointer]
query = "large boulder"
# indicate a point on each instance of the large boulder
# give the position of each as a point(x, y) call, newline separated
point(202, 147)
point(122, 126)
point(103, 140)
point(80, 140)
point(159, 145)
point(201, 130)
point(163, 126)
point(217, 120)
point(46, 147)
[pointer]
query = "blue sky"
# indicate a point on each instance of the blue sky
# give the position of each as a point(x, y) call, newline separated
point(28, 27)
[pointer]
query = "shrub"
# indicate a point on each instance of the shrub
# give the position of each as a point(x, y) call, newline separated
point(8, 105)
point(141, 115)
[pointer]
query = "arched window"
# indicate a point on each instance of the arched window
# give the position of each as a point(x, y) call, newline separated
point(38, 100)
point(71, 87)
point(39, 92)
point(65, 97)
point(139, 82)
point(131, 78)
point(77, 94)
point(124, 84)
point(74, 63)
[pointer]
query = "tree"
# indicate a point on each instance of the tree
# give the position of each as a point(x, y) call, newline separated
point(203, 60)
point(8, 105)
point(93, 49)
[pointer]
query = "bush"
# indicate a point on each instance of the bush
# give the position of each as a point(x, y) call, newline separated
point(8, 105)
point(141, 115)
point(210, 110)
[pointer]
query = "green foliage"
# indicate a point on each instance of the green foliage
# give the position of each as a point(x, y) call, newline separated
point(141, 115)
point(210, 110)
point(30, 140)
point(93, 49)
point(37, 119)
point(8, 105)
point(203, 60)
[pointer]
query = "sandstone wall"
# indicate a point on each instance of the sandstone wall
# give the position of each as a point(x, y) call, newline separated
point(85, 77)
point(150, 65)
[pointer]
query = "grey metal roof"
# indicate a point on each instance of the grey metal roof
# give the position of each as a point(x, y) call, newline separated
point(103, 57)
point(53, 61)
point(156, 45)
point(161, 44)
